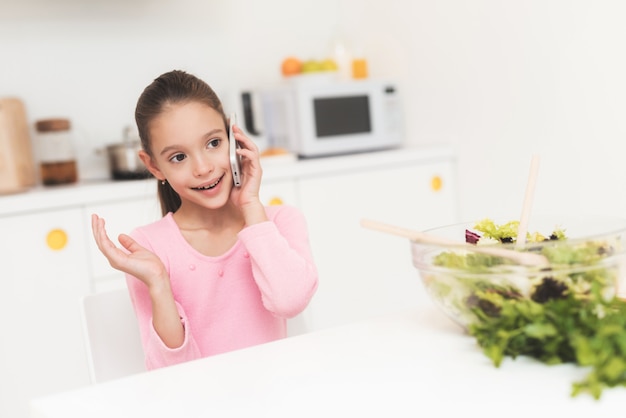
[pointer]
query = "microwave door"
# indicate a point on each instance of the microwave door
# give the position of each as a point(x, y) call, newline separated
point(339, 125)
point(337, 116)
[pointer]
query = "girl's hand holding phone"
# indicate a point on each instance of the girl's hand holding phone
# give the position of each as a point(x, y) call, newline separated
point(246, 197)
point(136, 261)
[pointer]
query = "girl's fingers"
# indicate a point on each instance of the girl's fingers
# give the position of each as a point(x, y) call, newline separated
point(244, 140)
point(247, 154)
point(129, 243)
point(99, 233)
point(95, 221)
point(104, 243)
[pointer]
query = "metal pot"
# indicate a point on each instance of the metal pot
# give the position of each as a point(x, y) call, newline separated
point(124, 161)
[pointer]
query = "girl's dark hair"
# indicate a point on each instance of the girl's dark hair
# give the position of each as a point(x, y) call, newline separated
point(171, 88)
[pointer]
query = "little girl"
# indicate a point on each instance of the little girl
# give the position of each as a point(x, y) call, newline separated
point(219, 271)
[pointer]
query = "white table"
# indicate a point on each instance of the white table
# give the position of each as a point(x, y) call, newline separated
point(412, 364)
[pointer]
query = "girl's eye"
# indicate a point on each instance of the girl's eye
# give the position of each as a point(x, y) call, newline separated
point(178, 158)
point(214, 143)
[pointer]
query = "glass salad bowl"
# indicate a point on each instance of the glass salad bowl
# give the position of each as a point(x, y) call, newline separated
point(575, 256)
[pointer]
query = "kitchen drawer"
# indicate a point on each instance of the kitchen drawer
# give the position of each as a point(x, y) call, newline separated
point(363, 273)
point(44, 274)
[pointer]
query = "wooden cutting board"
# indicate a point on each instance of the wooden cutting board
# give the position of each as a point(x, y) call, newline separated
point(17, 165)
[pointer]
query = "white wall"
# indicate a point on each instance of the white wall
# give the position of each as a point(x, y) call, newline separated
point(498, 79)
point(90, 60)
point(504, 79)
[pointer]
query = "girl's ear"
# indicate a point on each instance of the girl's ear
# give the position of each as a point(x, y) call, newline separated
point(150, 165)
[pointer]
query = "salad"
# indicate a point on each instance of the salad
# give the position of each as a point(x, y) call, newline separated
point(565, 313)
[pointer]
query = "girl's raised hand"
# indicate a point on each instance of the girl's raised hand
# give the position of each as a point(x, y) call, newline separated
point(136, 260)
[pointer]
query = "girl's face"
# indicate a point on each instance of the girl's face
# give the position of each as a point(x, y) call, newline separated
point(190, 151)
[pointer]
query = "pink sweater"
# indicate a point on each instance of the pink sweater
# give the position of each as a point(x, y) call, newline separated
point(238, 299)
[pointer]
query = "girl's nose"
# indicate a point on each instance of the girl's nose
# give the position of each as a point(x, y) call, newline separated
point(202, 166)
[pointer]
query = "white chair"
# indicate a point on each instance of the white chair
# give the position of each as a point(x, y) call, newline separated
point(112, 336)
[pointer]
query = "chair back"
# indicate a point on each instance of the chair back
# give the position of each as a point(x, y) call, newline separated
point(111, 335)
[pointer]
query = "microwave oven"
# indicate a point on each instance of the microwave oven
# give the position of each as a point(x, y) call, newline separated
point(313, 116)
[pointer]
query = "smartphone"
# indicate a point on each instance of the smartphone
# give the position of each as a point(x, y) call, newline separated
point(234, 158)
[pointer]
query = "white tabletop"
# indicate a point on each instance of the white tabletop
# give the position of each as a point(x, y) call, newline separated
point(410, 364)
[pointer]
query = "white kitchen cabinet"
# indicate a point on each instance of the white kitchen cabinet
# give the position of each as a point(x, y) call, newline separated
point(44, 273)
point(363, 273)
point(47, 266)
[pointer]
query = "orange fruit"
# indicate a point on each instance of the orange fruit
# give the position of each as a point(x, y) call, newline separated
point(291, 66)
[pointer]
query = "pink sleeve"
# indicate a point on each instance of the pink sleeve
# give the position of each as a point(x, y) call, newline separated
point(282, 263)
point(156, 352)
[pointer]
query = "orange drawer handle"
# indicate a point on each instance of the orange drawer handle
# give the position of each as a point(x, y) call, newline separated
point(275, 201)
point(436, 183)
point(56, 239)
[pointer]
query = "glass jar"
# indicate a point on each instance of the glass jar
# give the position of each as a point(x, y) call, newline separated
point(55, 148)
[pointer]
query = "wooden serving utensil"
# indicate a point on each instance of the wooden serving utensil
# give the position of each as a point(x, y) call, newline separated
point(521, 258)
point(528, 202)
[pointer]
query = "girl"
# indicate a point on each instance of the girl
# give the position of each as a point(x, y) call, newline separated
point(219, 271)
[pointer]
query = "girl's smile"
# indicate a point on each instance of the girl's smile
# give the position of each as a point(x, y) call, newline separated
point(210, 185)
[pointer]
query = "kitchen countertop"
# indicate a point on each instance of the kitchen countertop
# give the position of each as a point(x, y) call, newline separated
point(62, 196)
point(400, 365)
point(58, 197)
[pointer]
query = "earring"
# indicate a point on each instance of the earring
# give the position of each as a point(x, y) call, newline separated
point(163, 182)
